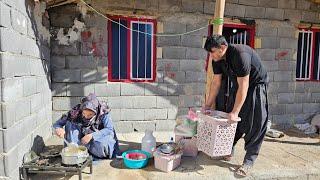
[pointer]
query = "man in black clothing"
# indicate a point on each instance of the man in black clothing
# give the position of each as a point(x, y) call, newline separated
point(248, 93)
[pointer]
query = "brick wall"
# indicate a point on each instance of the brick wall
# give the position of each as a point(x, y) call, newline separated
point(180, 63)
point(25, 82)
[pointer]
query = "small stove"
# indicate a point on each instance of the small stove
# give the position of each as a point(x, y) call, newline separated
point(50, 162)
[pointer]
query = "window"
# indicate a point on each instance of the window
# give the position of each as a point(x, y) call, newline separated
point(308, 66)
point(132, 51)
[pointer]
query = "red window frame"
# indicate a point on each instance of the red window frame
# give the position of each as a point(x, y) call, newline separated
point(154, 50)
point(313, 52)
point(250, 28)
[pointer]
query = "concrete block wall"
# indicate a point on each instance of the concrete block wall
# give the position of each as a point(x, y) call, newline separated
point(80, 67)
point(25, 82)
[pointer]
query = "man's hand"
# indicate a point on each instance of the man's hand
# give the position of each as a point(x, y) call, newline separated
point(86, 139)
point(206, 109)
point(60, 132)
point(233, 117)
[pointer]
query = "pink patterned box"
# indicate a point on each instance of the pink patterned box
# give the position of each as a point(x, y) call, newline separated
point(166, 163)
point(189, 145)
point(215, 136)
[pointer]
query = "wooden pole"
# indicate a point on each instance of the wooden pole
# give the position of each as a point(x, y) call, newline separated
point(217, 29)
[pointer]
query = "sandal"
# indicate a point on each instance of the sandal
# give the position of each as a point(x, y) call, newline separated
point(243, 170)
point(227, 158)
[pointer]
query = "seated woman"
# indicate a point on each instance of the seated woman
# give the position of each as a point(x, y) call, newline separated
point(90, 124)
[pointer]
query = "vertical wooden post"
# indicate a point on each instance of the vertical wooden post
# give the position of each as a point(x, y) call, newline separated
point(217, 29)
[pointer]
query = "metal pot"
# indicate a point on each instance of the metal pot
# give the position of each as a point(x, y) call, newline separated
point(74, 155)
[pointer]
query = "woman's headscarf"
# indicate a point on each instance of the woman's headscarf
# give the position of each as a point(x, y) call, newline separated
point(92, 103)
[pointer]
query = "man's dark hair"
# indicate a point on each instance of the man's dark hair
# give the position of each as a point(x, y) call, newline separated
point(215, 41)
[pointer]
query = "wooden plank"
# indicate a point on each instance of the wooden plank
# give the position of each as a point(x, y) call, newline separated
point(217, 29)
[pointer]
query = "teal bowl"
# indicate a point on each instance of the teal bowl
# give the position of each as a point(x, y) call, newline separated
point(135, 163)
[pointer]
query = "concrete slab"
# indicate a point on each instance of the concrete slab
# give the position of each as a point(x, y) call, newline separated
point(291, 157)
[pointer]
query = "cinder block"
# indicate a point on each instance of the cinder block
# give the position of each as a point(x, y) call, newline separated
point(315, 97)
point(311, 107)
point(310, 16)
point(249, 2)
point(285, 76)
point(168, 41)
point(18, 21)
point(174, 52)
point(277, 109)
point(167, 101)
point(284, 54)
point(153, 5)
point(196, 77)
point(191, 41)
point(107, 89)
point(303, 5)
point(202, 32)
point(190, 101)
point(23, 109)
point(302, 97)
point(286, 32)
point(156, 89)
point(174, 27)
point(81, 62)
point(196, 53)
point(36, 102)
point(143, 126)
point(274, 13)
point(29, 86)
point(293, 15)
point(235, 10)
point(267, 54)
point(192, 6)
point(194, 88)
point(89, 75)
point(155, 114)
point(255, 12)
point(208, 7)
point(66, 75)
point(175, 77)
point(168, 65)
point(57, 49)
point(58, 62)
point(123, 126)
point(81, 89)
point(135, 89)
point(165, 125)
point(172, 113)
point(132, 114)
point(8, 40)
point(192, 65)
point(144, 102)
point(285, 119)
point(59, 89)
point(293, 108)
point(64, 103)
point(5, 16)
point(289, 43)
point(285, 98)
point(268, 3)
point(284, 4)
point(12, 89)
point(8, 114)
point(270, 42)
point(287, 65)
point(170, 5)
point(11, 161)
point(266, 30)
point(115, 115)
point(271, 65)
